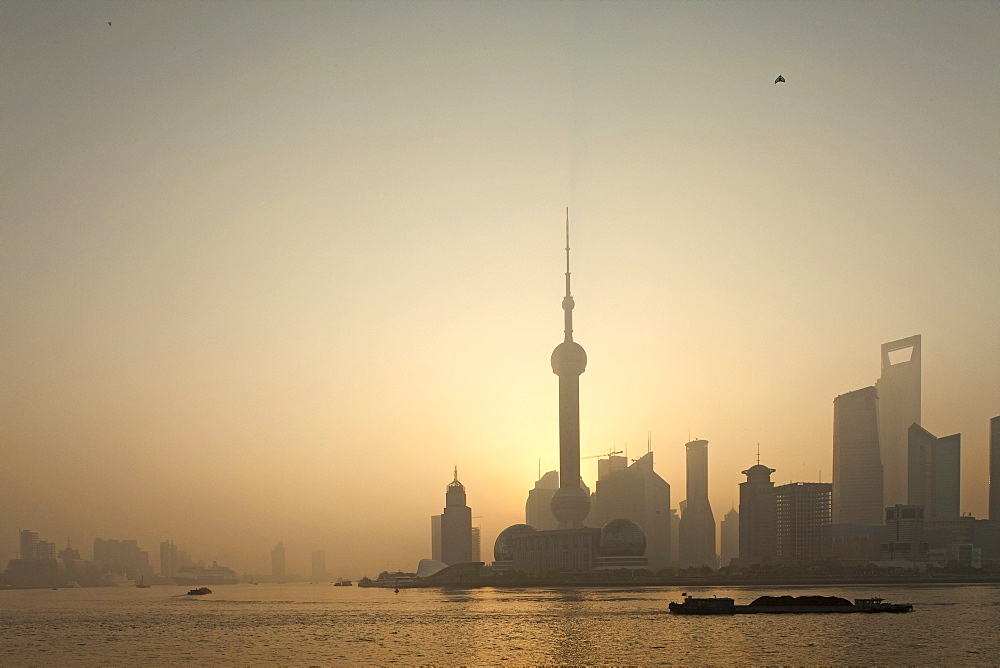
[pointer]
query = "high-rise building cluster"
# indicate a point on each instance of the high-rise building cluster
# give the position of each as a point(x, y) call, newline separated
point(894, 496)
point(114, 563)
point(894, 499)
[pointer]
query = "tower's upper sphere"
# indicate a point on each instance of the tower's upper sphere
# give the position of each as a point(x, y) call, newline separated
point(570, 505)
point(569, 358)
point(503, 548)
point(622, 538)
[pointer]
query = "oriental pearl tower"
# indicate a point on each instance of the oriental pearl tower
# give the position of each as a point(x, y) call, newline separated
point(570, 504)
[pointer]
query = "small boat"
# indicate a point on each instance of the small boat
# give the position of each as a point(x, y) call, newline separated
point(343, 582)
point(141, 584)
point(200, 591)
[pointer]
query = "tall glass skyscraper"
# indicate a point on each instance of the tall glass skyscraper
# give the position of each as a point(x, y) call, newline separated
point(934, 473)
point(898, 407)
point(857, 461)
point(697, 529)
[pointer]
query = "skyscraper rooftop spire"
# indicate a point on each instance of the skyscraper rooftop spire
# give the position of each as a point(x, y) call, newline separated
point(568, 303)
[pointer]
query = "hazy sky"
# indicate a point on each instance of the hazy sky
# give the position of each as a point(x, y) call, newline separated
point(269, 270)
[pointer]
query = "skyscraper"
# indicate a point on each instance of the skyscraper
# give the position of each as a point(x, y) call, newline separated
point(803, 522)
point(857, 462)
point(898, 407)
point(934, 473)
point(697, 529)
point(570, 504)
point(278, 562)
point(456, 525)
point(476, 549)
point(27, 541)
point(729, 537)
point(758, 517)
point(995, 469)
point(538, 507)
point(639, 494)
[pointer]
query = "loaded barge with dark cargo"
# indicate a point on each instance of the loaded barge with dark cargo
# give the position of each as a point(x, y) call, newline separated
point(784, 605)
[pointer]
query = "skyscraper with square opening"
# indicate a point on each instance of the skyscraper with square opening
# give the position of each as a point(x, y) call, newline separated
point(898, 407)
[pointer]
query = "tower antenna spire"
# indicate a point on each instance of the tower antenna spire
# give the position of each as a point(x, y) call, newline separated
point(567, 303)
point(567, 252)
point(758, 453)
point(456, 472)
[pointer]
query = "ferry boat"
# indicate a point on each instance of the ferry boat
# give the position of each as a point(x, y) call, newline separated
point(200, 591)
point(784, 605)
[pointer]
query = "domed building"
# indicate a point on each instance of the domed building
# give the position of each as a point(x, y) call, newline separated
point(622, 545)
point(503, 548)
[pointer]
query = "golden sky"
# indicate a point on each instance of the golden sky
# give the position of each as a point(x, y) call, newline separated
point(269, 270)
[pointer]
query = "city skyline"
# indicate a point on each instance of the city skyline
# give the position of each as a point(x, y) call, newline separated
point(246, 287)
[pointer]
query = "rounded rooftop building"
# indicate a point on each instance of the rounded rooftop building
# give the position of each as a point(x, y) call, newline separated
point(622, 538)
point(503, 550)
point(758, 473)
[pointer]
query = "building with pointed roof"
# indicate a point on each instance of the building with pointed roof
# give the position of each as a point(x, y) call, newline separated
point(456, 525)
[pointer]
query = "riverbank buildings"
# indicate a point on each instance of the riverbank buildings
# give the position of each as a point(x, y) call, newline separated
point(758, 517)
point(697, 526)
point(804, 514)
point(637, 493)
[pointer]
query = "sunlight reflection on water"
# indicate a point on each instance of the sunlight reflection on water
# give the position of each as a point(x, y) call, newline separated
point(320, 624)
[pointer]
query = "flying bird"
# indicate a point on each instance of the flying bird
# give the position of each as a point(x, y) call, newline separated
point(779, 79)
point(109, 22)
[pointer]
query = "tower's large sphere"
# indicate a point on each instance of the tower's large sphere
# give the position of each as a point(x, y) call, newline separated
point(569, 357)
point(503, 548)
point(570, 505)
point(622, 538)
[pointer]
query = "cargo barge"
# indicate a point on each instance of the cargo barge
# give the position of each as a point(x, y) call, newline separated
point(785, 605)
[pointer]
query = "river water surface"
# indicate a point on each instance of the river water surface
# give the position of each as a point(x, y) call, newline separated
point(318, 624)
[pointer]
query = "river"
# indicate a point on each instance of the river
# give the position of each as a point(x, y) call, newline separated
point(318, 624)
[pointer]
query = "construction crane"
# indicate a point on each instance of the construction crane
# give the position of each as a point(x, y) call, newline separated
point(610, 453)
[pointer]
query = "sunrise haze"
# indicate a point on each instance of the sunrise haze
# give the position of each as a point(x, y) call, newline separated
point(269, 271)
